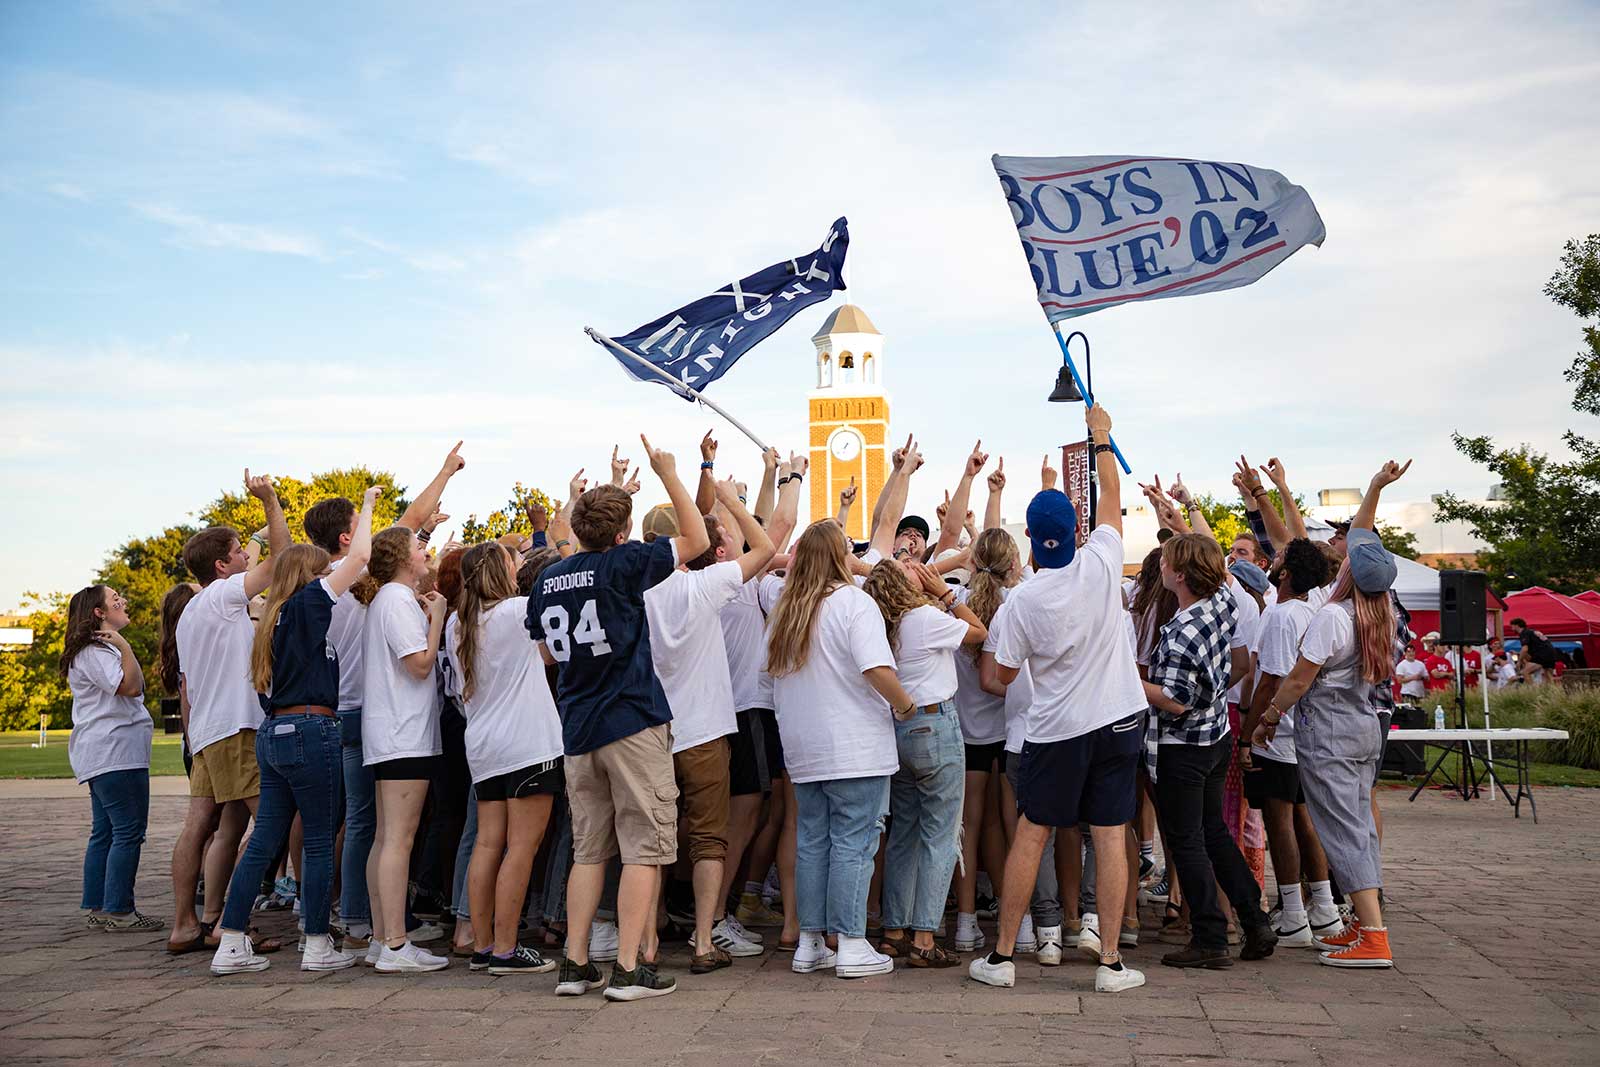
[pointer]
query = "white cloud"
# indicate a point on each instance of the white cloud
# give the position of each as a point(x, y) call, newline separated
point(194, 231)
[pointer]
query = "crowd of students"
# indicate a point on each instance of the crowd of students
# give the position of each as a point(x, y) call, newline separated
point(580, 743)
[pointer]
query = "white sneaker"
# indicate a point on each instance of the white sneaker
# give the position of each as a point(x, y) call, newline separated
point(603, 941)
point(374, 953)
point(1089, 936)
point(1050, 946)
point(1325, 920)
point(858, 959)
point(968, 937)
point(1294, 930)
point(236, 955)
point(1107, 980)
point(425, 932)
point(1027, 943)
point(1003, 975)
point(729, 941)
point(739, 928)
point(321, 955)
point(813, 954)
point(409, 959)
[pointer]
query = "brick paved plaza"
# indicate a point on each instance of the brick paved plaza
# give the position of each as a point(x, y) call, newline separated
point(1492, 918)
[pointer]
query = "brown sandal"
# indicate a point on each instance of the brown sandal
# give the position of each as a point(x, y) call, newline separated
point(895, 947)
point(714, 960)
point(937, 957)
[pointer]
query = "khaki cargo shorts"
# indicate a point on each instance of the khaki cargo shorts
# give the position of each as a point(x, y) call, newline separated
point(624, 799)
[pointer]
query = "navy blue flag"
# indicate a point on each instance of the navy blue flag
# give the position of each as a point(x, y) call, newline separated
point(697, 343)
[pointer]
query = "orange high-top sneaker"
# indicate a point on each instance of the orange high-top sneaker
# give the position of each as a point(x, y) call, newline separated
point(1371, 949)
point(1343, 939)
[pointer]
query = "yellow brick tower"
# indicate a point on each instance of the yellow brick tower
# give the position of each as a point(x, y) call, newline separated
point(849, 417)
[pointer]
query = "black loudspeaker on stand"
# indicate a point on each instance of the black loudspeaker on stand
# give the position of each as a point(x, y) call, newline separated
point(1463, 608)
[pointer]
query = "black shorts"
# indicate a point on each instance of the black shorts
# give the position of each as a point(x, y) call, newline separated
point(1090, 779)
point(407, 769)
point(1270, 779)
point(539, 780)
point(982, 759)
point(756, 755)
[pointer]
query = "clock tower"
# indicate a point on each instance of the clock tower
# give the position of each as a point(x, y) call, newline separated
point(849, 417)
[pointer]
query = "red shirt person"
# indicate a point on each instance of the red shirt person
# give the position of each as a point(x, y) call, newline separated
point(1441, 673)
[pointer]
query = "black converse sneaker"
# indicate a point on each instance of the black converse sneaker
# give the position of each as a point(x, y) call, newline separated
point(523, 960)
point(638, 984)
point(480, 960)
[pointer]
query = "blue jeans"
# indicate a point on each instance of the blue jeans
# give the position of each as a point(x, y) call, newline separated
point(360, 823)
point(469, 838)
point(120, 801)
point(838, 827)
point(925, 797)
point(301, 771)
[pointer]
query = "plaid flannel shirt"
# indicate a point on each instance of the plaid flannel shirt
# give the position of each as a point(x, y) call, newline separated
point(1191, 664)
point(1383, 692)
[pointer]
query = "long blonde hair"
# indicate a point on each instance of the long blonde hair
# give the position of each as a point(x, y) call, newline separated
point(485, 581)
point(818, 566)
point(894, 594)
point(995, 566)
point(292, 571)
point(1375, 626)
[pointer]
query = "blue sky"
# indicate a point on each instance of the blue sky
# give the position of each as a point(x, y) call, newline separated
point(298, 236)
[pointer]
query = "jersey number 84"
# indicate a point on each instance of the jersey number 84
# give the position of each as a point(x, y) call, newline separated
point(588, 631)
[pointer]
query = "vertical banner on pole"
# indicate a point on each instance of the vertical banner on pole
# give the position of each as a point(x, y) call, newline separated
point(1075, 458)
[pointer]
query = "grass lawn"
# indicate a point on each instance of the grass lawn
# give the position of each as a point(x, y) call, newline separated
point(19, 759)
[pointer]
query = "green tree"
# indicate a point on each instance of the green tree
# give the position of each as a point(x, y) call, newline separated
point(512, 518)
point(1400, 541)
point(30, 678)
point(142, 570)
point(1227, 517)
point(244, 513)
point(1545, 531)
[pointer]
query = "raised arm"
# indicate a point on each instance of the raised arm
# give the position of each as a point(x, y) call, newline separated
point(755, 558)
point(950, 525)
point(692, 539)
point(1366, 515)
point(420, 510)
point(997, 485)
point(1294, 522)
point(360, 551)
point(619, 467)
point(787, 515)
point(847, 498)
point(1258, 499)
point(768, 493)
point(894, 505)
point(420, 664)
point(257, 577)
point(705, 491)
point(896, 472)
point(1109, 509)
point(1197, 520)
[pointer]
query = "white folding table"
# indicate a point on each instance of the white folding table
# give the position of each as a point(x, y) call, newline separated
point(1515, 738)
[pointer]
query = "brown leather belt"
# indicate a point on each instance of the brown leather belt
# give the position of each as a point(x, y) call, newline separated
point(301, 709)
point(930, 709)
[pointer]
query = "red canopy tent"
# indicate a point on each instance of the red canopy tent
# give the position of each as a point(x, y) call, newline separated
point(1558, 617)
point(1591, 597)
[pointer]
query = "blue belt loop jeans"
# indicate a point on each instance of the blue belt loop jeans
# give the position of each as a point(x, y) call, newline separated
point(301, 771)
point(120, 802)
point(360, 824)
point(839, 823)
point(925, 798)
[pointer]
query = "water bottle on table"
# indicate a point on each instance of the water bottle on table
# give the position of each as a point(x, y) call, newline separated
point(1438, 716)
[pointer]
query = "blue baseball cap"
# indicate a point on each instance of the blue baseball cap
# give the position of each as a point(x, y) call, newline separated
point(1250, 576)
point(1052, 528)
point(1372, 568)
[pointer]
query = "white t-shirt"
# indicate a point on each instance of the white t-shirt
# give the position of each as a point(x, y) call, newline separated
point(109, 732)
point(1019, 694)
point(833, 723)
point(512, 720)
point(1330, 642)
point(769, 589)
point(926, 646)
point(1066, 624)
point(983, 715)
point(344, 632)
point(1277, 650)
point(214, 638)
point(687, 650)
point(1413, 677)
point(399, 713)
point(744, 636)
point(1247, 616)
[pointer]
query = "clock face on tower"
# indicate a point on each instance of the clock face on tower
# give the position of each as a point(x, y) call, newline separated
point(846, 445)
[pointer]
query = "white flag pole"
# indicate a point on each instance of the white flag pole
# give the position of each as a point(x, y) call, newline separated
point(678, 387)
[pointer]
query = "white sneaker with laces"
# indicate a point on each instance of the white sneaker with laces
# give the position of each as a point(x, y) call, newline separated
point(1112, 980)
point(1003, 975)
point(603, 941)
point(1294, 930)
point(320, 954)
point(724, 937)
point(1049, 946)
point(409, 958)
point(813, 954)
point(236, 955)
point(858, 959)
point(1026, 941)
point(739, 928)
point(1326, 920)
point(968, 937)
point(1089, 936)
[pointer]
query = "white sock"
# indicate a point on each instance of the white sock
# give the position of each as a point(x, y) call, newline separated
point(1025, 930)
point(966, 919)
point(1322, 894)
point(1292, 904)
point(1147, 849)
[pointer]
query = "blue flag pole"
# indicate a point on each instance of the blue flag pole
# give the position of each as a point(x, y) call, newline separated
point(681, 388)
point(1087, 397)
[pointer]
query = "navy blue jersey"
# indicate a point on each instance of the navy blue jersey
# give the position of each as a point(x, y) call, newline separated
point(305, 667)
point(588, 609)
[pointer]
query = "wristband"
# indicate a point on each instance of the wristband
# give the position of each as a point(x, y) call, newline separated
point(1103, 448)
point(706, 465)
point(424, 535)
point(1262, 492)
point(562, 543)
point(257, 539)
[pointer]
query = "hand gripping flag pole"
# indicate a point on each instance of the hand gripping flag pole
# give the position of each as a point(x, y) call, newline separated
point(1088, 399)
point(683, 390)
